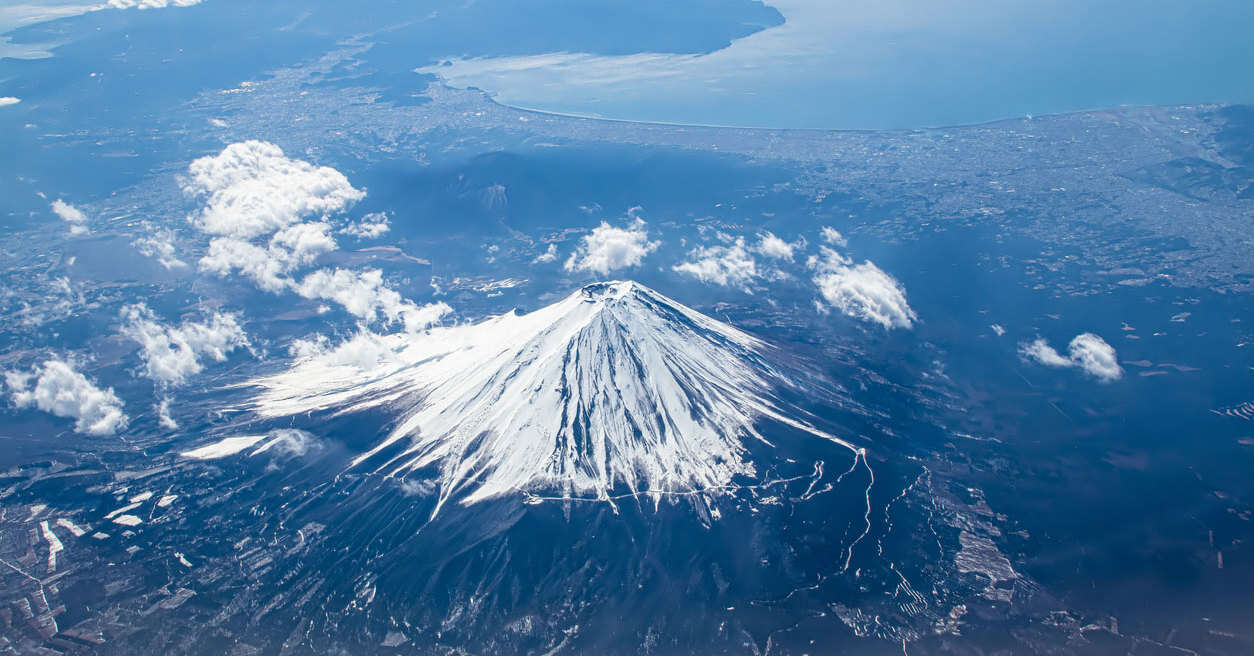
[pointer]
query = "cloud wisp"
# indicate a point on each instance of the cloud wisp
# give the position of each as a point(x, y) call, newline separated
point(832, 236)
point(549, 255)
point(71, 215)
point(159, 244)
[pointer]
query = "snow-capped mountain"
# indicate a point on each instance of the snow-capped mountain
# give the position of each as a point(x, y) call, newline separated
point(615, 389)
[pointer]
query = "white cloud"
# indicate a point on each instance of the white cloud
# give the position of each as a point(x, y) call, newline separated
point(72, 215)
point(362, 294)
point(608, 248)
point(257, 201)
point(862, 291)
point(253, 189)
point(291, 248)
point(227, 255)
point(371, 226)
point(5, 101)
point(1095, 357)
point(160, 244)
point(172, 353)
point(549, 255)
point(1040, 351)
point(60, 390)
point(775, 248)
point(721, 265)
point(299, 245)
point(164, 418)
point(365, 295)
point(832, 236)
point(1087, 351)
point(363, 351)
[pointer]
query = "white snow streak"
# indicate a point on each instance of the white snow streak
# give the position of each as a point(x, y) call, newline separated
point(223, 448)
point(616, 385)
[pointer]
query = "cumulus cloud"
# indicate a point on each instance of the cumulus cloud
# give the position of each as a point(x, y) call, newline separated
point(227, 255)
point(832, 236)
point(721, 265)
point(608, 248)
point(364, 295)
point(862, 291)
point(775, 248)
point(160, 244)
point(1095, 356)
point(252, 189)
point(9, 100)
point(299, 245)
point(371, 226)
point(60, 390)
point(71, 215)
point(292, 247)
point(1087, 352)
point(269, 218)
point(549, 255)
point(173, 353)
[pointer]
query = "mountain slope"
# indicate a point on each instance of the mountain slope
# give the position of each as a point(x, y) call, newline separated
point(616, 387)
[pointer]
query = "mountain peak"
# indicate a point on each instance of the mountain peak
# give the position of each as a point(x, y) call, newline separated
point(614, 389)
point(611, 289)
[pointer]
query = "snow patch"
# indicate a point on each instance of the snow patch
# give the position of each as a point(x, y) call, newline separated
point(128, 520)
point(222, 448)
point(71, 527)
point(54, 545)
